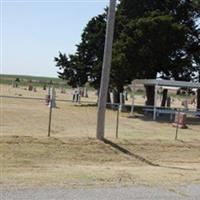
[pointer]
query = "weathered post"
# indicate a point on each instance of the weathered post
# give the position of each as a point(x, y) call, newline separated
point(117, 123)
point(106, 71)
point(177, 124)
point(50, 114)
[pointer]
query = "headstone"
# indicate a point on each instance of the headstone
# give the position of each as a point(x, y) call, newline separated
point(13, 84)
point(82, 92)
point(47, 97)
point(79, 95)
point(85, 92)
point(75, 95)
point(121, 99)
point(30, 87)
point(79, 98)
point(122, 108)
point(180, 120)
point(126, 95)
point(114, 96)
point(62, 90)
point(168, 102)
point(185, 104)
point(49, 90)
point(53, 97)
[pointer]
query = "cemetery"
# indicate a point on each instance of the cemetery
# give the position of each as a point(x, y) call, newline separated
point(76, 107)
point(120, 107)
point(72, 141)
point(154, 147)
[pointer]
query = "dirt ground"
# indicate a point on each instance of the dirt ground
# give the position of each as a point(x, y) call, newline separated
point(144, 153)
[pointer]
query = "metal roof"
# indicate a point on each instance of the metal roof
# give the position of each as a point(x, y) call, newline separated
point(170, 83)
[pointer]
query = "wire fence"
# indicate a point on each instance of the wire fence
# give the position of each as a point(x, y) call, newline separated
point(29, 116)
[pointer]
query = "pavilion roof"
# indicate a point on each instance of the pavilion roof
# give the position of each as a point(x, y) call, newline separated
point(169, 83)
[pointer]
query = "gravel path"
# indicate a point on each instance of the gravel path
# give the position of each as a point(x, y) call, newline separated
point(191, 192)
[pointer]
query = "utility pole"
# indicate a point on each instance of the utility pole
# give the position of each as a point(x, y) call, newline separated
point(105, 76)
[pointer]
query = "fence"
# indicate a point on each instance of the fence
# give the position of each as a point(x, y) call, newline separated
point(29, 116)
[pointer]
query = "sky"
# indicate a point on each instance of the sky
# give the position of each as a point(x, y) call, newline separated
point(34, 31)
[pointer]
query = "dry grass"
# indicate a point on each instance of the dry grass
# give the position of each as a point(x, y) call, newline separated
point(30, 118)
point(8, 90)
point(72, 157)
point(23, 91)
point(28, 161)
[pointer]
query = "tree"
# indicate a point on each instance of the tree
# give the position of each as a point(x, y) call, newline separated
point(146, 47)
point(196, 54)
point(17, 80)
point(154, 38)
point(193, 51)
point(91, 48)
point(85, 65)
point(151, 38)
point(72, 70)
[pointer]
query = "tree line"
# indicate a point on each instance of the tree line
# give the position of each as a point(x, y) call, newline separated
point(152, 38)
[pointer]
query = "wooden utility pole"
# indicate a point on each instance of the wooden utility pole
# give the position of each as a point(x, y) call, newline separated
point(105, 76)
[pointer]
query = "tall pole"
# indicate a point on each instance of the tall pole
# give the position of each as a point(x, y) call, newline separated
point(105, 76)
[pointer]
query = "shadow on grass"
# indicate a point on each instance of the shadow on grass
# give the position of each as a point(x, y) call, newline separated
point(161, 119)
point(165, 118)
point(140, 158)
point(86, 105)
point(127, 152)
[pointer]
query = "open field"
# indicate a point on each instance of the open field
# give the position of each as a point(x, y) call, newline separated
point(145, 153)
point(24, 79)
point(27, 77)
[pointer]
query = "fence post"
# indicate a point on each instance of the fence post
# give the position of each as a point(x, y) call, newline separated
point(117, 123)
point(177, 125)
point(50, 114)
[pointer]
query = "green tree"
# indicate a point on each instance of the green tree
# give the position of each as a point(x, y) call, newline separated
point(85, 65)
point(71, 69)
point(17, 80)
point(154, 37)
point(151, 37)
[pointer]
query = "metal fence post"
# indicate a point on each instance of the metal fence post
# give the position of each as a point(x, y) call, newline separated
point(117, 123)
point(177, 124)
point(50, 114)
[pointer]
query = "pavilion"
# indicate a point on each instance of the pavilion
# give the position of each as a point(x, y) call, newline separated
point(160, 83)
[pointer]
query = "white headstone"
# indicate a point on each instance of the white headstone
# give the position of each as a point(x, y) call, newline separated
point(53, 97)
